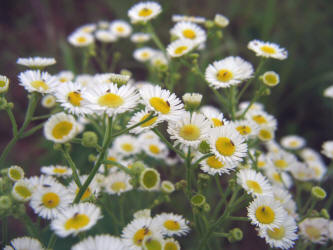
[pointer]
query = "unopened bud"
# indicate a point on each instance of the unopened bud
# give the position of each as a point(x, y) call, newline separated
point(318, 193)
point(89, 139)
point(198, 200)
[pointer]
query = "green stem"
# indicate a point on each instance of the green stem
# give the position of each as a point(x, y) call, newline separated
point(158, 133)
point(233, 102)
point(155, 38)
point(220, 234)
point(235, 218)
point(100, 159)
point(95, 125)
point(73, 167)
point(30, 226)
point(12, 120)
point(33, 100)
point(121, 210)
point(52, 241)
point(118, 165)
point(41, 117)
point(32, 130)
point(4, 230)
point(218, 184)
point(255, 98)
point(188, 172)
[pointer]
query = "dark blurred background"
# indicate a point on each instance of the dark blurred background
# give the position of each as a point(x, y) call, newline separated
point(304, 28)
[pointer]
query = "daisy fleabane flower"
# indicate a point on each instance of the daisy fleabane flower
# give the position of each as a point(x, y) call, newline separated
point(227, 144)
point(180, 47)
point(36, 62)
point(171, 224)
point(188, 30)
point(143, 54)
point(192, 19)
point(23, 243)
point(60, 128)
point(139, 117)
point(103, 242)
point(254, 183)
point(70, 97)
point(4, 83)
point(80, 39)
point(293, 142)
point(75, 219)
point(327, 149)
point(126, 145)
point(228, 71)
point(315, 230)
point(189, 129)
point(267, 49)
point(144, 11)
point(120, 28)
point(266, 212)
point(212, 165)
point(213, 115)
point(117, 183)
point(162, 101)
point(36, 80)
point(108, 98)
point(56, 170)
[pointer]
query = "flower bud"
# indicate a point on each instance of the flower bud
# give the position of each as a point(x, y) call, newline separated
point(324, 213)
point(270, 78)
point(92, 158)
point(192, 101)
point(221, 21)
point(5, 202)
point(181, 185)
point(4, 84)
point(206, 207)
point(198, 200)
point(89, 139)
point(318, 193)
point(235, 235)
point(204, 147)
point(167, 187)
point(150, 179)
point(209, 24)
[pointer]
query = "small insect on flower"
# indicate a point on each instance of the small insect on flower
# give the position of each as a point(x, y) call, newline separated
point(171, 224)
point(37, 81)
point(267, 49)
point(23, 243)
point(75, 219)
point(120, 28)
point(103, 241)
point(36, 62)
point(144, 11)
point(246, 128)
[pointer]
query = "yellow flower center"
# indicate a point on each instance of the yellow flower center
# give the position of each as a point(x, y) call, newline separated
point(265, 215)
point(265, 134)
point(62, 129)
point(150, 179)
point(145, 55)
point(244, 130)
point(50, 200)
point(120, 29)
point(74, 98)
point(86, 194)
point(224, 75)
point(190, 34)
point(127, 147)
point(38, 84)
point(172, 225)
point(23, 191)
point(190, 132)
point(160, 105)
point(261, 164)
point(293, 144)
point(213, 162)
point(271, 79)
point(254, 186)
point(110, 100)
point(170, 246)
point(225, 146)
point(268, 49)
point(217, 122)
point(313, 232)
point(140, 235)
point(2, 84)
point(277, 233)
point(259, 119)
point(49, 101)
point(59, 170)
point(63, 79)
point(154, 149)
point(77, 222)
point(280, 164)
point(81, 39)
point(179, 50)
point(15, 174)
point(277, 177)
point(145, 12)
point(118, 186)
point(147, 123)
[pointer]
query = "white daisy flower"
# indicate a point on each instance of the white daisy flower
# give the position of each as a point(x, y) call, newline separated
point(23, 243)
point(246, 128)
point(38, 182)
point(327, 149)
point(293, 142)
point(140, 37)
point(22, 190)
point(171, 224)
point(56, 170)
point(308, 155)
point(184, 18)
point(283, 237)
point(180, 47)
point(267, 49)
point(4, 83)
point(214, 116)
point(112, 155)
point(158, 59)
point(75, 219)
point(273, 146)
point(102, 242)
point(266, 212)
point(65, 76)
point(70, 97)
point(110, 99)
point(48, 202)
point(92, 191)
point(143, 54)
point(221, 21)
point(120, 28)
point(314, 230)
point(155, 149)
point(227, 144)
point(212, 165)
point(135, 232)
point(228, 71)
point(39, 81)
point(143, 213)
point(117, 183)
point(166, 104)
point(87, 28)
point(282, 160)
point(254, 106)
point(188, 30)
point(328, 92)
point(85, 80)
point(105, 36)
point(60, 128)
point(189, 129)
point(126, 145)
point(262, 118)
point(302, 172)
point(319, 169)
point(48, 101)
point(281, 179)
point(266, 133)
point(81, 39)
point(254, 183)
point(144, 11)
point(139, 117)
point(15, 173)
point(36, 62)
